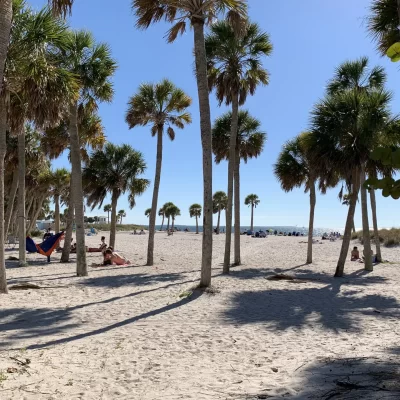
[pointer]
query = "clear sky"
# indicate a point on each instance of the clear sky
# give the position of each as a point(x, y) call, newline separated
point(310, 38)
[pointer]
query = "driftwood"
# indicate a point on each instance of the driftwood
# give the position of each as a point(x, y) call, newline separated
point(24, 286)
point(284, 277)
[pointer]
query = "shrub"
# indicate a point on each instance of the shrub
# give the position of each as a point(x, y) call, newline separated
point(36, 233)
point(389, 237)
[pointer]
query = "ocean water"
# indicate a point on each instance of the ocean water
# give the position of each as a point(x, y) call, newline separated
point(283, 229)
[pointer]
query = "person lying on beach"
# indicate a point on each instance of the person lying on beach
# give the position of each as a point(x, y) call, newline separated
point(355, 254)
point(112, 258)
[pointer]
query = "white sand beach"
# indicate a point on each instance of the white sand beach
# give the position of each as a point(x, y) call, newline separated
point(125, 332)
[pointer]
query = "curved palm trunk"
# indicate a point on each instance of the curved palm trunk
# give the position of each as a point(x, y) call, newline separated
point(162, 223)
point(68, 229)
point(57, 212)
point(11, 198)
point(113, 228)
point(30, 205)
point(375, 223)
point(5, 28)
point(3, 147)
point(231, 170)
point(197, 225)
point(366, 235)
point(206, 141)
point(36, 213)
point(237, 207)
point(21, 199)
point(219, 219)
point(77, 192)
point(349, 222)
point(313, 200)
point(153, 214)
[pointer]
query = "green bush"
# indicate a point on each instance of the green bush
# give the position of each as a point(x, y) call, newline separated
point(122, 228)
point(389, 237)
point(36, 233)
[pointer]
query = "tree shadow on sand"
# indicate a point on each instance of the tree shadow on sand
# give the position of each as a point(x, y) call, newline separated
point(367, 378)
point(298, 304)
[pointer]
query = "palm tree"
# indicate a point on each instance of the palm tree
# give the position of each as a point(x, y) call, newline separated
point(173, 211)
point(121, 214)
point(235, 70)
point(294, 168)
point(159, 105)
point(346, 128)
point(93, 66)
point(249, 144)
point(165, 209)
point(253, 201)
point(161, 213)
point(220, 201)
point(357, 77)
point(114, 170)
point(198, 13)
point(147, 213)
point(195, 211)
point(107, 208)
point(383, 23)
point(60, 179)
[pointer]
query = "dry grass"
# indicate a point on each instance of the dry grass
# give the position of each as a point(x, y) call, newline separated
point(389, 237)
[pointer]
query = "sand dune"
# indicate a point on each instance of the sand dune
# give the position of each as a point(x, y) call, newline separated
point(132, 333)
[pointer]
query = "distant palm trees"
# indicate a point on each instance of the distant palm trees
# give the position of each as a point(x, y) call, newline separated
point(235, 69)
point(220, 201)
point(147, 212)
point(121, 214)
point(60, 179)
point(115, 170)
point(252, 201)
point(107, 208)
point(158, 105)
point(195, 211)
point(173, 211)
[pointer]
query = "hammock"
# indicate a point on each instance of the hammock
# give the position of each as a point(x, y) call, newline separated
point(46, 247)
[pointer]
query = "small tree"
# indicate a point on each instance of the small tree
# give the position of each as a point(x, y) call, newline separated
point(147, 212)
point(252, 201)
point(220, 201)
point(195, 211)
point(107, 208)
point(121, 214)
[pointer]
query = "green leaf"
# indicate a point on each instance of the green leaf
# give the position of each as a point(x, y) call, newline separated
point(376, 155)
point(395, 194)
point(386, 192)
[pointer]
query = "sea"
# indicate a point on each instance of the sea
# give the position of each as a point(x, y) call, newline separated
point(283, 229)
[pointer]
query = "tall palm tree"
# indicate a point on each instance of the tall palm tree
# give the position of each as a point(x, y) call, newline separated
point(345, 128)
point(161, 213)
point(158, 105)
point(60, 179)
point(356, 76)
point(220, 201)
point(93, 66)
point(121, 214)
point(252, 201)
point(147, 213)
point(235, 70)
point(107, 208)
point(115, 170)
point(165, 209)
point(250, 142)
point(173, 211)
point(195, 211)
point(199, 13)
point(294, 168)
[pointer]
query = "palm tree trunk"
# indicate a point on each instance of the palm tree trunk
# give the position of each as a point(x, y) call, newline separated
point(231, 171)
point(153, 214)
point(113, 228)
point(173, 224)
point(219, 219)
point(57, 212)
point(375, 223)
point(168, 224)
point(349, 222)
point(11, 198)
point(313, 200)
point(108, 216)
point(21, 198)
point(77, 192)
point(68, 229)
point(29, 207)
point(36, 213)
point(366, 235)
point(162, 223)
point(237, 207)
point(354, 227)
point(3, 146)
point(5, 27)
point(197, 225)
point(252, 215)
point(206, 141)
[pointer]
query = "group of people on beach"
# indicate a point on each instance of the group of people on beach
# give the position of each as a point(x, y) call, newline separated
point(110, 257)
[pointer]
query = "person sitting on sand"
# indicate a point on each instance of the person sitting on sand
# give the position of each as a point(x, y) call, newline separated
point(142, 232)
point(355, 254)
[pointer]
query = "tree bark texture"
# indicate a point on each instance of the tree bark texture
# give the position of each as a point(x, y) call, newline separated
point(21, 198)
point(375, 223)
point(10, 203)
point(366, 234)
point(237, 258)
point(113, 230)
point(68, 229)
point(313, 200)
point(5, 28)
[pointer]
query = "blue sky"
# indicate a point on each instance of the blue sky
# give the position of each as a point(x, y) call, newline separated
point(310, 39)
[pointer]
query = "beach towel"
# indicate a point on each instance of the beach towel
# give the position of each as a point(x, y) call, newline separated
point(46, 247)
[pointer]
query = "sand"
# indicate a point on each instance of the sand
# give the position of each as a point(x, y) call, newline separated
point(133, 333)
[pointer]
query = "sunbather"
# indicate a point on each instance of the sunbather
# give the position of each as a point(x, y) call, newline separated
point(355, 254)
